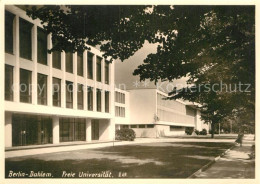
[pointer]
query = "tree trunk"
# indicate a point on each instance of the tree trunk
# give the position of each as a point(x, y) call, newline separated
point(212, 129)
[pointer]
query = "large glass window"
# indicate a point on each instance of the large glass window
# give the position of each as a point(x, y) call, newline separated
point(25, 86)
point(31, 130)
point(56, 59)
point(9, 82)
point(69, 94)
point(25, 39)
point(119, 97)
point(80, 96)
point(41, 46)
point(99, 100)
point(69, 62)
point(107, 72)
point(56, 92)
point(9, 38)
point(90, 65)
point(72, 129)
point(98, 69)
point(42, 89)
point(106, 101)
point(80, 63)
point(90, 98)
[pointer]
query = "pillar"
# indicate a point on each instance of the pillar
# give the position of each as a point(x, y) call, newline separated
point(55, 130)
point(88, 130)
point(111, 129)
point(8, 129)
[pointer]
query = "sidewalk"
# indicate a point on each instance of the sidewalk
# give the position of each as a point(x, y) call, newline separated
point(235, 164)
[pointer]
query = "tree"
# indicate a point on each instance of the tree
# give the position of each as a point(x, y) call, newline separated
point(208, 44)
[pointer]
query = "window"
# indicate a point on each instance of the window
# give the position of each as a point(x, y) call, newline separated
point(120, 97)
point(56, 59)
point(9, 38)
point(9, 82)
point(90, 98)
point(80, 96)
point(125, 126)
point(99, 59)
point(120, 111)
point(41, 46)
point(56, 92)
point(80, 64)
point(99, 100)
point(150, 126)
point(25, 39)
point(90, 65)
point(141, 126)
point(42, 89)
point(106, 101)
point(69, 94)
point(69, 62)
point(107, 72)
point(133, 126)
point(25, 86)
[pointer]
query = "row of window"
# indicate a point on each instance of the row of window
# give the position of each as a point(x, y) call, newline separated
point(25, 48)
point(138, 126)
point(119, 97)
point(42, 89)
point(120, 111)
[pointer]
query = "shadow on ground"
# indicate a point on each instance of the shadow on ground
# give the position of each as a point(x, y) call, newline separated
point(150, 160)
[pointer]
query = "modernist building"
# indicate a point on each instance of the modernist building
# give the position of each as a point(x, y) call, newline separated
point(53, 98)
point(67, 97)
point(151, 115)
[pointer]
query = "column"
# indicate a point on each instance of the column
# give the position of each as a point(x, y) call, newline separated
point(85, 95)
point(49, 85)
point(103, 101)
point(75, 82)
point(88, 129)
point(34, 59)
point(17, 63)
point(8, 129)
point(55, 130)
point(63, 86)
point(111, 129)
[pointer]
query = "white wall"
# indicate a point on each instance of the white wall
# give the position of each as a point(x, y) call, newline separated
point(142, 106)
point(145, 132)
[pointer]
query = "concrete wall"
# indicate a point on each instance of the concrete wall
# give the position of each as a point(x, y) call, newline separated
point(145, 132)
point(142, 106)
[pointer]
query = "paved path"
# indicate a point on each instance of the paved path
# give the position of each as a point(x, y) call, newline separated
point(235, 164)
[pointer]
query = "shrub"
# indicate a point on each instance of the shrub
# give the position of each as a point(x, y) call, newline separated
point(125, 134)
point(216, 131)
point(189, 130)
point(197, 132)
point(203, 132)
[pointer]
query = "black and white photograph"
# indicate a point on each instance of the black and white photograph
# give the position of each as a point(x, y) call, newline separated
point(128, 91)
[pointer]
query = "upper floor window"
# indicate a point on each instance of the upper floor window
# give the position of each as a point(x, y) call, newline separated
point(9, 37)
point(90, 98)
point(107, 72)
point(106, 101)
point(80, 63)
point(25, 86)
point(80, 96)
point(69, 94)
point(99, 100)
point(42, 89)
point(25, 39)
point(56, 92)
point(9, 82)
point(98, 69)
point(41, 46)
point(120, 97)
point(56, 59)
point(69, 62)
point(90, 65)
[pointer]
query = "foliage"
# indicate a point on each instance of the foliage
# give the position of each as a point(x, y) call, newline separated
point(203, 132)
point(208, 44)
point(189, 130)
point(125, 134)
point(197, 132)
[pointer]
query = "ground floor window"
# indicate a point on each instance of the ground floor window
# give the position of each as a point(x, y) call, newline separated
point(72, 129)
point(31, 130)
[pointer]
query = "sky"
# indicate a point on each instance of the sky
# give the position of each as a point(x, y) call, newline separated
point(124, 78)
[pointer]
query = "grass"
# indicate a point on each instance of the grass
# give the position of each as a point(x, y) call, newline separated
point(150, 160)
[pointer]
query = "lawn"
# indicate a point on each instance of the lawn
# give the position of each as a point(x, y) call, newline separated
point(149, 160)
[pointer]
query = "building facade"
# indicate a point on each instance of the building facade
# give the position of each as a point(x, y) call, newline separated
point(53, 98)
